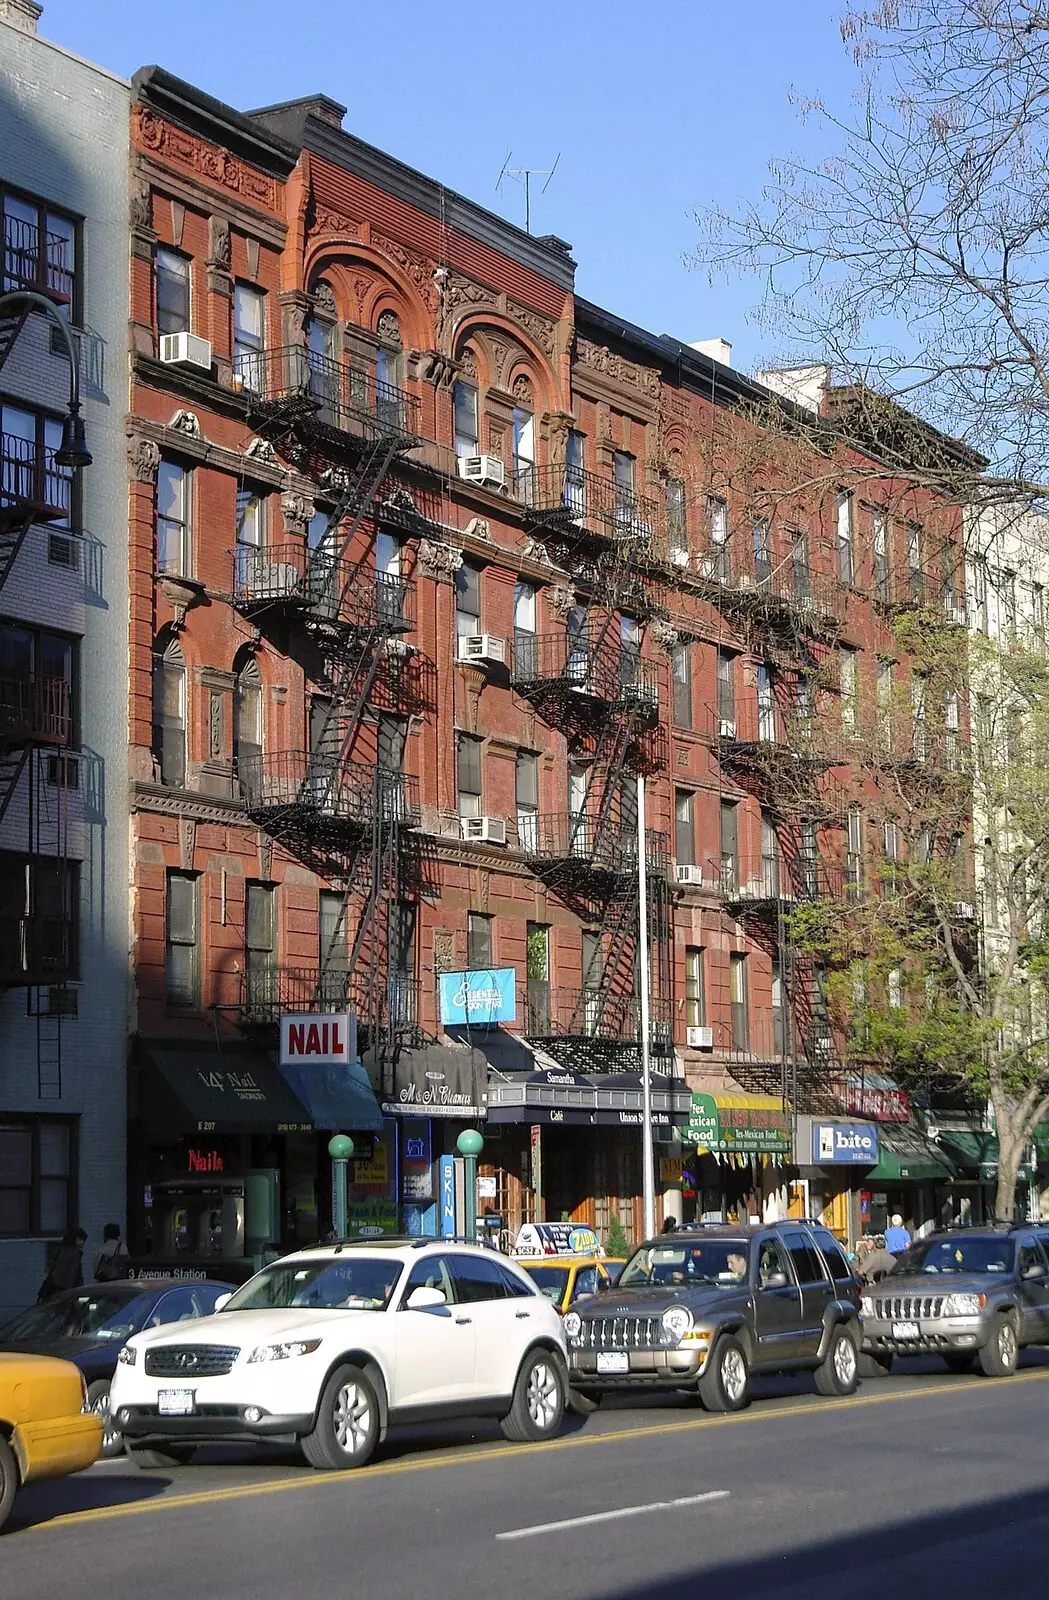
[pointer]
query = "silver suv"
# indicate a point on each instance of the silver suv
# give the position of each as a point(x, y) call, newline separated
point(972, 1294)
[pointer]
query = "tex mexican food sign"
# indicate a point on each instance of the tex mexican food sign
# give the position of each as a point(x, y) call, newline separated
point(738, 1124)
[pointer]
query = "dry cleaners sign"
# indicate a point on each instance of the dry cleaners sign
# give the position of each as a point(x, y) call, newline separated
point(318, 1039)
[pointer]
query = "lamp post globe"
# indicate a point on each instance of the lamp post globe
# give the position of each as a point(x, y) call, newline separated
point(469, 1142)
point(340, 1147)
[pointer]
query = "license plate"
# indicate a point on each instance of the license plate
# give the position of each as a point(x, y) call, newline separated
point(175, 1402)
point(613, 1361)
point(905, 1330)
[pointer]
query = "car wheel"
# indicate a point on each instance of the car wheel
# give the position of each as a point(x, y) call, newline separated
point(584, 1401)
point(347, 1427)
point(98, 1402)
point(538, 1405)
point(872, 1366)
point(725, 1384)
point(1000, 1354)
point(839, 1371)
point(958, 1363)
point(176, 1455)
point(8, 1480)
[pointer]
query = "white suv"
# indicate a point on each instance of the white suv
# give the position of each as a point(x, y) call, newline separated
point(331, 1346)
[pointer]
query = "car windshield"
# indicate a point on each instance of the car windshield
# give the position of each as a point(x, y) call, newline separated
point(710, 1261)
point(347, 1283)
point(551, 1281)
point(94, 1314)
point(958, 1255)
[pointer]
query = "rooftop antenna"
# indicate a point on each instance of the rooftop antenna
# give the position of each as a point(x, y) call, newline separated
point(524, 176)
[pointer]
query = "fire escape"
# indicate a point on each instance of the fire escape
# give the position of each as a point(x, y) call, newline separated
point(590, 682)
point(341, 803)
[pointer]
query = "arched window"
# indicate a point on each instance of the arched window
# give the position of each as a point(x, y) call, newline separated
point(465, 407)
point(169, 711)
point(247, 721)
point(389, 358)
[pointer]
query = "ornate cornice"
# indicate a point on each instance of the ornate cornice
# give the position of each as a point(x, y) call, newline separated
point(184, 803)
point(597, 358)
point(207, 163)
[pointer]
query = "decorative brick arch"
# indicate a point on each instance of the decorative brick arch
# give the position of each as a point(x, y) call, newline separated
point(365, 282)
point(522, 354)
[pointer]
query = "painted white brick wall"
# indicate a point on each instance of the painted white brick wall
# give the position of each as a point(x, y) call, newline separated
point(64, 138)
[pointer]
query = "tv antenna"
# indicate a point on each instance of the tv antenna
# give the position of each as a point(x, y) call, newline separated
point(524, 176)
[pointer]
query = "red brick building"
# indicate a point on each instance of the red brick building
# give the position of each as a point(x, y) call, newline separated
point(430, 561)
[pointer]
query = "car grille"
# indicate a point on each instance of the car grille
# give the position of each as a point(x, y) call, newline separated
point(190, 1361)
point(908, 1307)
point(620, 1333)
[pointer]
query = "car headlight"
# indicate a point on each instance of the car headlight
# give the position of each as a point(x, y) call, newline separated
point(964, 1305)
point(127, 1356)
point(573, 1325)
point(867, 1306)
point(284, 1352)
point(676, 1322)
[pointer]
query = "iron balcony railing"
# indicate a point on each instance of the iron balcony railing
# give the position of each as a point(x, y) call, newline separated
point(595, 1014)
point(783, 880)
point(572, 663)
point(606, 848)
point(752, 730)
point(570, 498)
point(330, 587)
point(35, 260)
point(268, 995)
point(38, 948)
point(34, 710)
point(32, 481)
point(313, 784)
point(733, 574)
point(341, 396)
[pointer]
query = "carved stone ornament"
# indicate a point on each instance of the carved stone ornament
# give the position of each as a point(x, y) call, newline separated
point(560, 597)
point(140, 204)
point(187, 423)
point(595, 356)
point(663, 635)
point(468, 365)
point(539, 328)
point(143, 458)
point(478, 528)
point(202, 159)
point(389, 328)
point(297, 510)
point(324, 299)
point(522, 391)
point(535, 550)
point(219, 252)
point(438, 560)
point(262, 450)
point(417, 269)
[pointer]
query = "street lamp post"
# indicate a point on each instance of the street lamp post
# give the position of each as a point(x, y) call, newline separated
point(469, 1145)
point(73, 451)
point(648, 1175)
point(340, 1148)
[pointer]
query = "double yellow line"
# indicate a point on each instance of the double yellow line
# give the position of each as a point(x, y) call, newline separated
point(581, 1441)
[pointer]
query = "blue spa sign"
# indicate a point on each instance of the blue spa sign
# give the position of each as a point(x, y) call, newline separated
point(478, 998)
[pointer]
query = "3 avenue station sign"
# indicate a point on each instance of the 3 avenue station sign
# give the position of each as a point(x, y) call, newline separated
point(319, 1039)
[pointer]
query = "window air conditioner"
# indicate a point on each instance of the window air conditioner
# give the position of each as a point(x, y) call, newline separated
point(483, 469)
point(686, 873)
point(958, 616)
point(699, 1038)
point(726, 729)
point(963, 909)
point(185, 350)
point(492, 830)
point(482, 647)
point(679, 558)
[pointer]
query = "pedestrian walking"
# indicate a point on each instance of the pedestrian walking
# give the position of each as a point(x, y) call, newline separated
point(67, 1269)
point(897, 1238)
point(111, 1262)
point(877, 1262)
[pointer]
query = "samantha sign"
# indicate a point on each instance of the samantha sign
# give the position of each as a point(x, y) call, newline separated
point(321, 1039)
point(478, 998)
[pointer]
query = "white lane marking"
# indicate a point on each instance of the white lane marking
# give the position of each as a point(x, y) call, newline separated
point(611, 1516)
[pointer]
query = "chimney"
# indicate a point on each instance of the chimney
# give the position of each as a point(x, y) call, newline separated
point(21, 14)
point(716, 349)
point(322, 106)
point(805, 386)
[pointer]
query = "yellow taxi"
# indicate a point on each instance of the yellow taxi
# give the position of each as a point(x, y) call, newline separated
point(564, 1279)
point(45, 1430)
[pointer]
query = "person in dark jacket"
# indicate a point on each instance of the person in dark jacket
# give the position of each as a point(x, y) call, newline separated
point(67, 1269)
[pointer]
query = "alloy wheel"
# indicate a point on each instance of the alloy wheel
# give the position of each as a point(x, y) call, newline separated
point(845, 1362)
point(103, 1410)
point(734, 1375)
point(352, 1418)
point(1007, 1347)
point(542, 1394)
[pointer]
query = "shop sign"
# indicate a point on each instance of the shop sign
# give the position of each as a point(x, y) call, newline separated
point(372, 1170)
point(204, 1161)
point(318, 1039)
point(478, 998)
point(439, 1081)
point(738, 1125)
point(877, 1104)
point(535, 1141)
point(447, 1172)
point(416, 1164)
point(556, 1239)
point(372, 1217)
point(844, 1143)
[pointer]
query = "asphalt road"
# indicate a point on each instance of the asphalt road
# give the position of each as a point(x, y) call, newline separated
point(920, 1485)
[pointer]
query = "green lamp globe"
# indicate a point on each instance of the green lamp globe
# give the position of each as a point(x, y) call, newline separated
point(469, 1142)
point(340, 1148)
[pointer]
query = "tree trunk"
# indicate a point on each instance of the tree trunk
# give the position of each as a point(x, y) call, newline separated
point(1010, 1154)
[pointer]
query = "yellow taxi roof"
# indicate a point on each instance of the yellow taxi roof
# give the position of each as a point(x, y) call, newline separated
point(567, 1261)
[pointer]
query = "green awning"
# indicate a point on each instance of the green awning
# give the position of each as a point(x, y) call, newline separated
point(972, 1152)
point(212, 1088)
point(905, 1155)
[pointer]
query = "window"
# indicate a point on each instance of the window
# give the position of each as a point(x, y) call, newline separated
point(1007, 598)
point(1038, 612)
point(29, 441)
point(37, 1163)
point(478, 941)
point(469, 775)
point(810, 859)
point(464, 406)
point(524, 449)
point(174, 554)
point(800, 560)
point(537, 972)
point(681, 662)
point(807, 1261)
point(717, 511)
point(390, 738)
point(477, 1278)
point(847, 684)
point(952, 729)
point(695, 987)
point(525, 646)
point(677, 530)
point(779, 1008)
point(623, 480)
point(39, 918)
point(843, 524)
point(39, 248)
point(169, 712)
point(766, 705)
point(915, 576)
point(182, 963)
point(883, 691)
point(895, 988)
point(526, 784)
point(684, 828)
point(979, 571)
point(729, 821)
point(891, 847)
point(629, 651)
point(325, 375)
point(247, 721)
point(389, 372)
point(260, 943)
point(333, 949)
point(172, 277)
point(251, 535)
point(249, 334)
point(880, 553)
point(854, 852)
point(737, 975)
point(762, 551)
point(575, 473)
point(918, 714)
point(467, 600)
point(769, 855)
point(39, 682)
point(726, 681)
point(432, 1272)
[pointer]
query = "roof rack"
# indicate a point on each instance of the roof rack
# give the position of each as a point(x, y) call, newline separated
point(388, 1241)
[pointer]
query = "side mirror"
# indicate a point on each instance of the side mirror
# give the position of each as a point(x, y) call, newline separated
point(774, 1280)
point(222, 1300)
point(423, 1299)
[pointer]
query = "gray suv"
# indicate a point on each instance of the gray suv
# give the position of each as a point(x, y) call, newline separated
point(704, 1307)
point(972, 1294)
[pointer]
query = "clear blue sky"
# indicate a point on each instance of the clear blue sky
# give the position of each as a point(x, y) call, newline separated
point(655, 108)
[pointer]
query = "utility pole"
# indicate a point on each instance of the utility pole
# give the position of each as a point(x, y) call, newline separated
point(648, 1172)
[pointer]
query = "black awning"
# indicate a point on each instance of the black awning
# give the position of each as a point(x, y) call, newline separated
point(441, 1080)
point(216, 1088)
point(607, 1100)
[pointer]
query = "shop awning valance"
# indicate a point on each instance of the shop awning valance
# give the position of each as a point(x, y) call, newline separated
point(738, 1124)
point(339, 1098)
point(905, 1155)
point(607, 1100)
point(213, 1088)
point(973, 1152)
